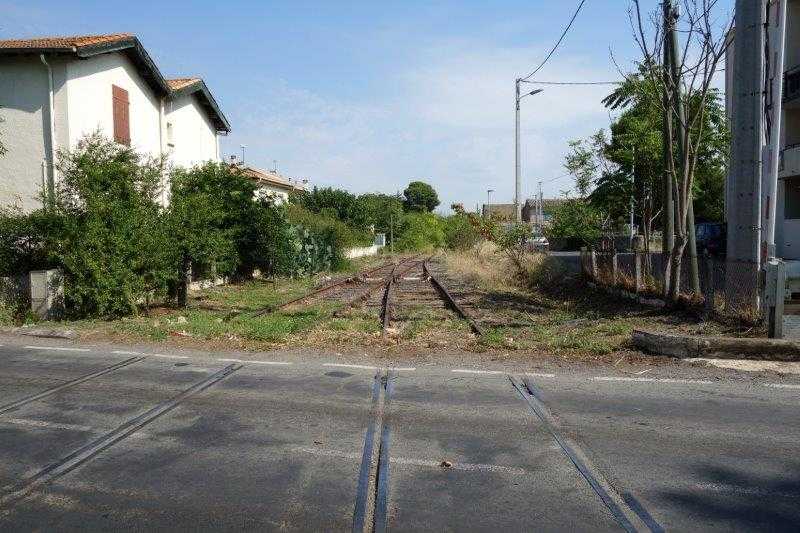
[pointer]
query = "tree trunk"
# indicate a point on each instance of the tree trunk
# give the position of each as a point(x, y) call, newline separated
point(185, 280)
point(675, 260)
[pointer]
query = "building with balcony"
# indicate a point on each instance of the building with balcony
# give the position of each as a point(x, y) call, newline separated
point(787, 226)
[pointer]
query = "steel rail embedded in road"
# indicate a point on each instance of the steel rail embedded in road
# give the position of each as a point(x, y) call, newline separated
point(622, 512)
point(68, 463)
point(448, 298)
point(58, 388)
point(370, 513)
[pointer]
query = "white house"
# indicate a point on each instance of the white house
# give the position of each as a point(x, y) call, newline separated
point(56, 90)
point(272, 184)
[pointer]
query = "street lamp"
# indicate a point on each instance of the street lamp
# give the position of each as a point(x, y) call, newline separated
point(518, 172)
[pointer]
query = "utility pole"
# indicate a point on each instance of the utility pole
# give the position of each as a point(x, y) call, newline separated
point(744, 209)
point(541, 209)
point(776, 107)
point(675, 74)
point(391, 231)
point(668, 210)
point(517, 165)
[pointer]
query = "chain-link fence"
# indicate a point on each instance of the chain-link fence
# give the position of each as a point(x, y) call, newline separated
point(727, 289)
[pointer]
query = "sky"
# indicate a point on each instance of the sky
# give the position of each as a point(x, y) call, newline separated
point(368, 96)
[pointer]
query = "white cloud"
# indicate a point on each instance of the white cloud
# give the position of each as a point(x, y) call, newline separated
point(450, 120)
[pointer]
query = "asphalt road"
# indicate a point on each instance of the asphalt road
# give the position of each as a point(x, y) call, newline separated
point(91, 439)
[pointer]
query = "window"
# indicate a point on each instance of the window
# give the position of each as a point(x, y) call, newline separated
point(170, 135)
point(792, 190)
point(122, 125)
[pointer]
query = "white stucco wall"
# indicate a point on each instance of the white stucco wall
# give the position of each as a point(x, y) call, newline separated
point(268, 191)
point(89, 103)
point(24, 108)
point(193, 136)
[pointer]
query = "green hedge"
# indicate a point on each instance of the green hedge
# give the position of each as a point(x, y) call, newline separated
point(120, 248)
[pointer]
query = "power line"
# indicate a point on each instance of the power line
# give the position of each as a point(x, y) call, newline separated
point(574, 82)
point(553, 51)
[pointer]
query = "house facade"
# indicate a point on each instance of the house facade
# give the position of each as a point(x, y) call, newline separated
point(271, 184)
point(55, 91)
point(787, 198)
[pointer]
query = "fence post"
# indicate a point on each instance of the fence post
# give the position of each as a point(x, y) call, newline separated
point(638, 270)
point(774, 296)
point(584, 252)
point(709, 291)
point(614, 267)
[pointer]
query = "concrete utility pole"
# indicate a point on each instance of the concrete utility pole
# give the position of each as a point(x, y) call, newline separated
point(674, 54)
point(517, 164)
point(668, 237)
point(744, 211)
point(776, 110)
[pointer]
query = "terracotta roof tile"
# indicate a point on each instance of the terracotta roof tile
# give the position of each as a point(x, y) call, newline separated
point(180, 83)
point(66, 43)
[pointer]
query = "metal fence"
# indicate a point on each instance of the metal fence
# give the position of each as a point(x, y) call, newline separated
point(728, 289)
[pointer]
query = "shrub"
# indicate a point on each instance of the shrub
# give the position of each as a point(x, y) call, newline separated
point(459, 232)
point(108, 236)
point(575, 220)
point(420, 231)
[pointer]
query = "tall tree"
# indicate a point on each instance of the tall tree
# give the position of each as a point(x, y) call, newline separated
point(685, 85)
point(419, 196)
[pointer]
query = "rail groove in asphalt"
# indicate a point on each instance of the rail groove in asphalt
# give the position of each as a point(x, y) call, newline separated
point(58, 388)
point(627, 517)
point(68, 463)
point(372, 495)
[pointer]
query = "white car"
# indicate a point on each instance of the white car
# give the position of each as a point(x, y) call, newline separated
point(540, 244)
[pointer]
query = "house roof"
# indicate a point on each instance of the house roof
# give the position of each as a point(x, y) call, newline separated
point(266, 177)
point(180, 83)
point(64, 43)
point(85, 46)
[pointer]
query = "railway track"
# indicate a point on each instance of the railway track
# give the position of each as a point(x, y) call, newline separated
point(418, 287)
point(341, 289)
point(395, 288)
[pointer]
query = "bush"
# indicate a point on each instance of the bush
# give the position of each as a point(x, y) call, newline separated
point(105, 229)
point(576, 221)
point(459, 233)
point(420, 231)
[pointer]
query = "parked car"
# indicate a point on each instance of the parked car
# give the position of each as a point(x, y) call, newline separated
point(712, 237)
point(541, 244)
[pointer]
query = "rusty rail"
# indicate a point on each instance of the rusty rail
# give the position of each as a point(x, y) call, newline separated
point(386, 305)
point(448, 298)
point(321, 290)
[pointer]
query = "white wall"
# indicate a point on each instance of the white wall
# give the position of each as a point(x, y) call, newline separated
point(193, 135)
point(268, 191)
point(89, 84)
point(24, 107)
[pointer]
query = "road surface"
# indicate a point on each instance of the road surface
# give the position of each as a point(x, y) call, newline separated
point(109, 438)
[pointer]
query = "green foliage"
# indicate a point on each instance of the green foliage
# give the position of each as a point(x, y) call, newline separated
point(575, 220)
point(420, 197)
point(420, 231)
point(119, 248)
point(459, 232)
point(634, 156)
point(107, 234)
point(3, 149)
point(336, 203)
point(381, 210)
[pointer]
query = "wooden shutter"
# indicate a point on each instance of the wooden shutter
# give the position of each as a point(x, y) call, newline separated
point(122, 124)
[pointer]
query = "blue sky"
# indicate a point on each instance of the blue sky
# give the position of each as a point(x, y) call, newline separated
point(368, 96)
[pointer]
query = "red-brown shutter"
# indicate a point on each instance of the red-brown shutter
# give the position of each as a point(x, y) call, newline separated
point(122, 124)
